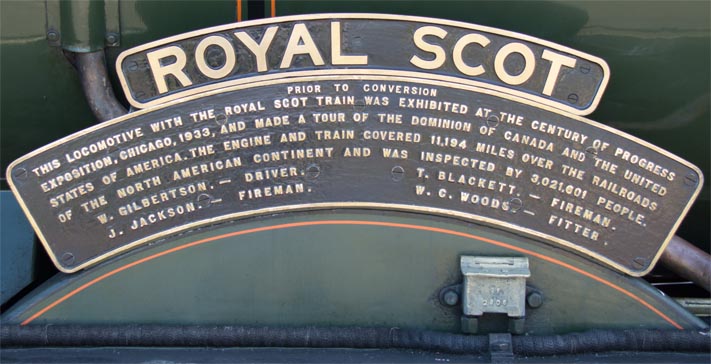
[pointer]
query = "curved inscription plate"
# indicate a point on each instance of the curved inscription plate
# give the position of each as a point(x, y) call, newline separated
point(481, 56)
point(364, 141)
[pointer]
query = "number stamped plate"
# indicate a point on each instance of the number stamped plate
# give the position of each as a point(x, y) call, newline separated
point(358, 141)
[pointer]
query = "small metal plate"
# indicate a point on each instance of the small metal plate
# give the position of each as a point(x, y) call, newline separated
point(411, 46)
point(366, 141)
point(494, 285)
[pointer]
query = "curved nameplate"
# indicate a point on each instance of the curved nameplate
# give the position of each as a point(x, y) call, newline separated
point(501, 60)
point(362, 140)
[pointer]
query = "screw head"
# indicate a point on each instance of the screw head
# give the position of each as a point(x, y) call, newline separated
point(397, 173)
point(691, 180)
point(313, 171)
point(204, 200)
point(515, 204)
point(492, 121)
point(20, 173)
point(68, 258)
point(640, 262)
point(221, 119)
point(573, 98)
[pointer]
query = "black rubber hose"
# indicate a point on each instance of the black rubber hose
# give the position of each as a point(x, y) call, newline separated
point(238, 336)
point(614, 340)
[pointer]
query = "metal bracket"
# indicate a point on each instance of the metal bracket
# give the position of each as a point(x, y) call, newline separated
point(501, 348)
point(68, 24)
point(494, 285)
point(52, 14)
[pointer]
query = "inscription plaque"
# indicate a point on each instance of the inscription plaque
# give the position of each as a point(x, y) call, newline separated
point(410, 46)
point(359, 141)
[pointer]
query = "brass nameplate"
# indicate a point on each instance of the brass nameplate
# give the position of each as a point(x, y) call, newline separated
point(408, 46)
point(355, 141)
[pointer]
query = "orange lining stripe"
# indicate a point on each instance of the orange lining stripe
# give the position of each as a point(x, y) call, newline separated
point(239, 10)
point(352, 222)
point(273, 8)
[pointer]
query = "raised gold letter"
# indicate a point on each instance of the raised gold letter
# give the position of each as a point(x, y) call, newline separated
point(557, 60)
point(337, 59)
point(298, 35)
point(418, 37)
point(259, 49)
point(226, 46)
point(176, 68)
point(459, 48)
point(529, 63)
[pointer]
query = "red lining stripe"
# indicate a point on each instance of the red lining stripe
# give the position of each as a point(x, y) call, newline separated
point(352, 222)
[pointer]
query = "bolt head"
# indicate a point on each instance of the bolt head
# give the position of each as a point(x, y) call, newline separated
point(534, 300)
point(52, 36)
point(451, 298)
point(111, 38)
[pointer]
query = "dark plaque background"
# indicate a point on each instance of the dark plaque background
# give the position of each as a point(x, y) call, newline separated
point(468, 160)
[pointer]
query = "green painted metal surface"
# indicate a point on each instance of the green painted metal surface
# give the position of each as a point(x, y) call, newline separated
point(40, 94)
point(371, 269)
point(660, 57)
point(82, 24)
